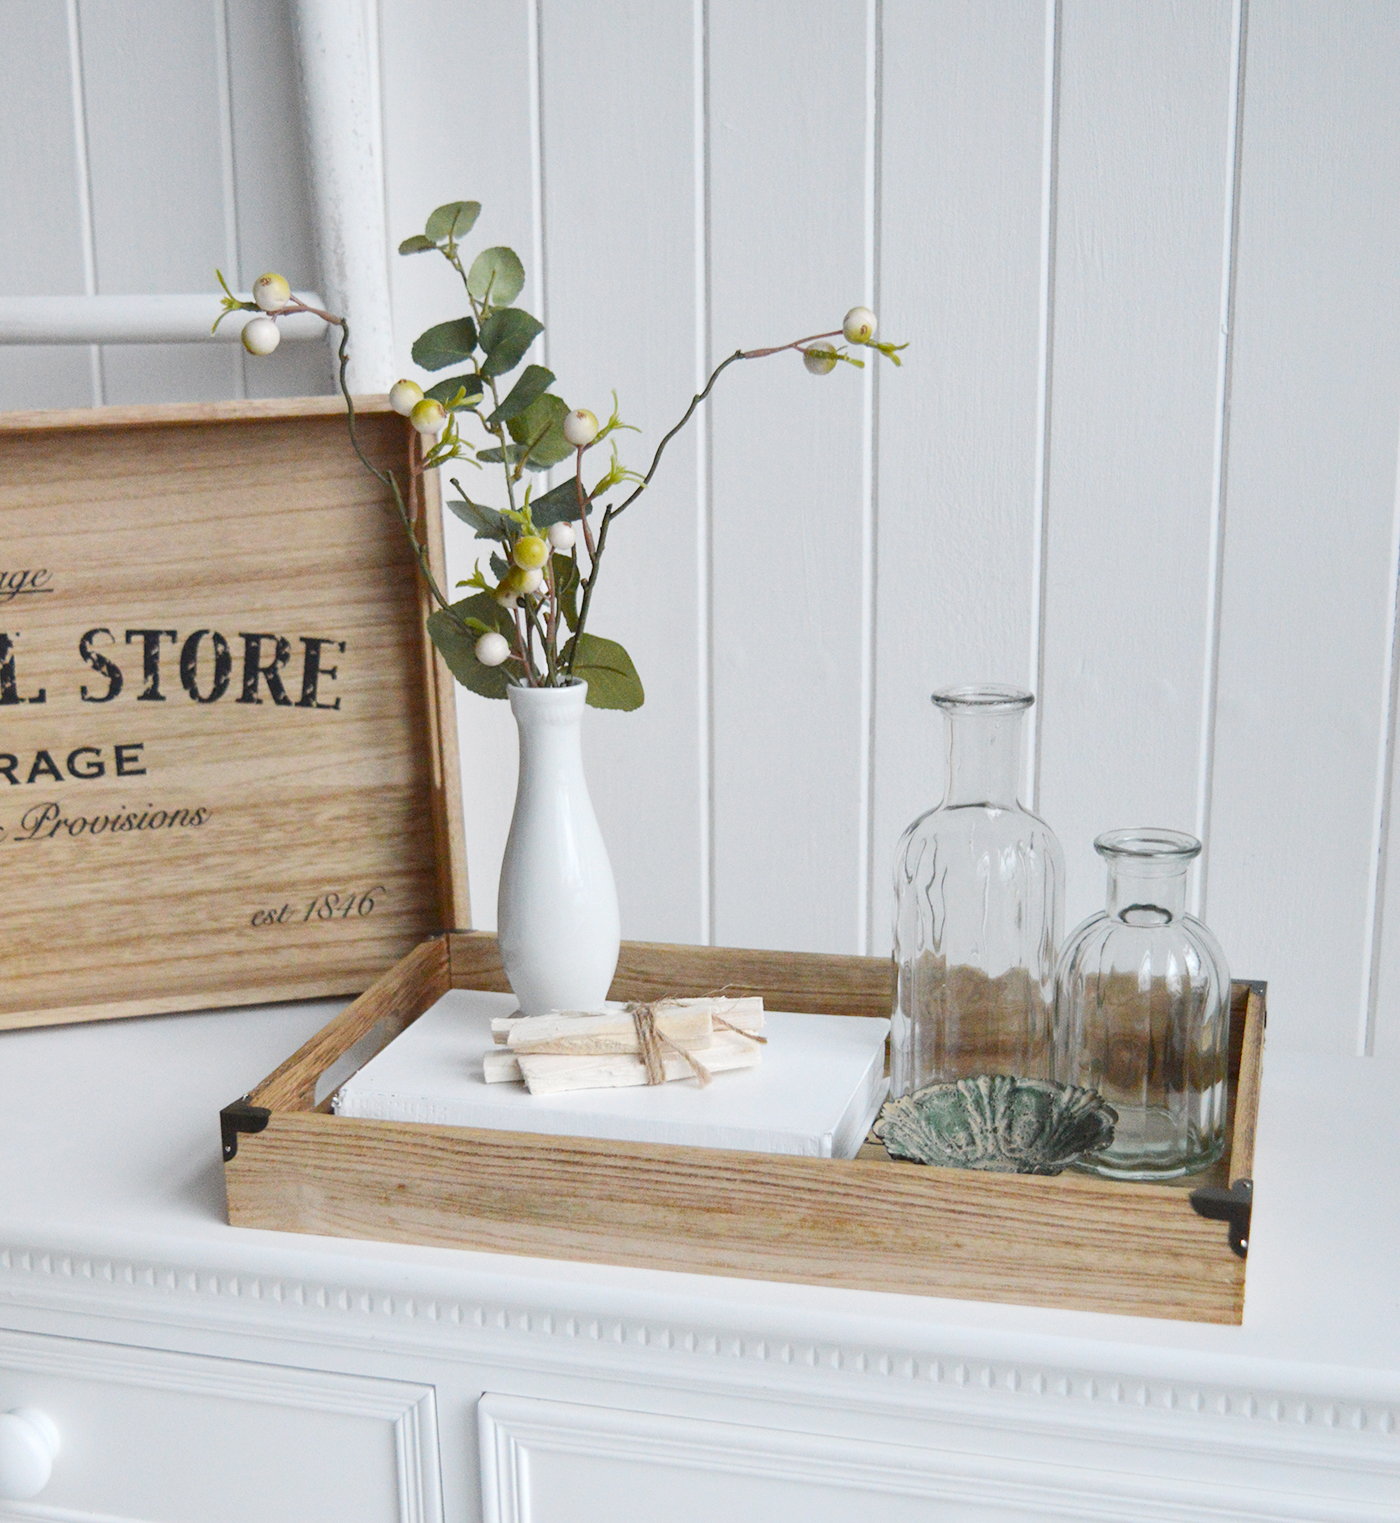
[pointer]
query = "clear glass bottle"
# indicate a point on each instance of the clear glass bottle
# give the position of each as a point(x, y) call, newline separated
point(979, 889)
point(1142, 1012)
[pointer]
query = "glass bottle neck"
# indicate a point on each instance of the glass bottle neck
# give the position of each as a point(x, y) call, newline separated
point(984, 759)
point(1143, 891)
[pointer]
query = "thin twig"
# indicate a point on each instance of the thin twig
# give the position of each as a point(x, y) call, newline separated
point(388, 479)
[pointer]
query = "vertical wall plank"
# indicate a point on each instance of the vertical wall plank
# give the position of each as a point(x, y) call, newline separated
point(787, 163)
point(1144, 160)
point(1308, 577)
point(1378, 1029)
point(619, 198)
point(960, 279)
point(157, 183)
point(41, 231)
point(272, 190)
point(427, 52)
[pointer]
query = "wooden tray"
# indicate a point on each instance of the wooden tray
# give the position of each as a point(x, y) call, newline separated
point(867, 1223)
point(228, 756)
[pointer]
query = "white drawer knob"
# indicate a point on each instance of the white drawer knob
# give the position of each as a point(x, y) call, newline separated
point(28, 1443)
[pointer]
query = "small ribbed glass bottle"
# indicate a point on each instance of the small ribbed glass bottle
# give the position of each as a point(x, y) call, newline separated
point(1142, 1012)
point(979, 889)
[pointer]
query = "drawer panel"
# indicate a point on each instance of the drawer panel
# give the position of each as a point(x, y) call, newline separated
point(154, 1437)
point(556, 1462)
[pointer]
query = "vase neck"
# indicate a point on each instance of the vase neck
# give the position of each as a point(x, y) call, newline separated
point(548, 707)
point(984, 757)
point(549, 723)
point(1147, 874)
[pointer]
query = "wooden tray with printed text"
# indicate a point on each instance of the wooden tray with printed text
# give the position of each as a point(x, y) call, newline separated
point(228, 755)
point(868, 1223)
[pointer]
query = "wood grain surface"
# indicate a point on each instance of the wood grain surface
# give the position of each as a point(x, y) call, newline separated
point(1067, 1241)
point(824, 984)
point(869, 1223)
point(1244, 1087)
point(264, 804)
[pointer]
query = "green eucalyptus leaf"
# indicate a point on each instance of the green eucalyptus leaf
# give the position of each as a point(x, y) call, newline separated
point(494, 456)
point(455, 220)
point(566, 584)
point(458, 646)
point(612, 680)
point(534, 381)
point(417, 244)
point(487, 522)
point(497, 276)
point(505, 336)
point(446, 344)
point(500, 567)
point(543, 417)
point(559, 505)
point(444, 391)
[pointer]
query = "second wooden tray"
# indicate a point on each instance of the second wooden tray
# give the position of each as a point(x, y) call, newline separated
point(228, 754)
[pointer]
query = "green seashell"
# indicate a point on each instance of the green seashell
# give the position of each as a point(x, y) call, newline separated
point(999, 1123)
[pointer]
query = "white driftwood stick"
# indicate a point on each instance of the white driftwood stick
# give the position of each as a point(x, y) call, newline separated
point(596, 1034)
point(501, 1067)
point(746, 1014)
point(547, 1074)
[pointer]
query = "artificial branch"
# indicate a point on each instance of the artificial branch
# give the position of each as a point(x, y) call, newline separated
point(528, 597)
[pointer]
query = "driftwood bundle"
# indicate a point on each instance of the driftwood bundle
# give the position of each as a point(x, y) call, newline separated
point(641, 1044)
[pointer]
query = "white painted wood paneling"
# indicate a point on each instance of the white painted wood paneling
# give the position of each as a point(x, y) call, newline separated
point(618, 113)
point(159, 213)
point(1308, 574)
point(1144, 162)
point(136, 169)
point(43, 240)
point(960, 278)
point(476, 65)
point(1186, 537)
point(787, 206)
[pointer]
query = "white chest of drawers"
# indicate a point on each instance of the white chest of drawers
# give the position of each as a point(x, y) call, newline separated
point(197, 1373)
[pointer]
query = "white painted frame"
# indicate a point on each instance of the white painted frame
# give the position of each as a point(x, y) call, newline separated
point(138, 320)
point(1002, 1474)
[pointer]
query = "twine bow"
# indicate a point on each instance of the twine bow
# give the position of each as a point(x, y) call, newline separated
point(651, 1040)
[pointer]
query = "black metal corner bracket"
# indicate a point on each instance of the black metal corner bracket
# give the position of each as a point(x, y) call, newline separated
point(1233, 1205)
point(241, 1117)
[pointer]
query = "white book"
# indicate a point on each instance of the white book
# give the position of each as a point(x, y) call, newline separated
point(815, 1094)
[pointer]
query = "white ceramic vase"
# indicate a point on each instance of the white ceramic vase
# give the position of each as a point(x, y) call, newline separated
point(556, 914)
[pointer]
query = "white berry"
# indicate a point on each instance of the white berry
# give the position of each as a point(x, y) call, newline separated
point(404, 396)
point(429, 416)
point(820, 359)
point(859, 326)
point(260, 335)
point(561, 536)
point(271, 291)
point(531, 578)
point(492, 648)
point(580, 427)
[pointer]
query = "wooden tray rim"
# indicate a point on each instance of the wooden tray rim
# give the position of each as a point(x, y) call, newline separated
point(151, 414)
point(285, 1103)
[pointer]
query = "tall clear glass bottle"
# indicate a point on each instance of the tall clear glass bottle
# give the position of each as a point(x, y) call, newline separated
point(979, 893)
point(1142, 1012)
